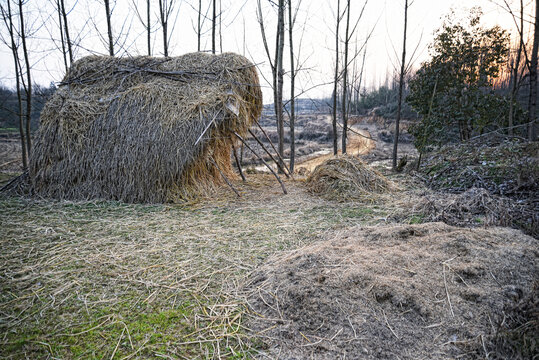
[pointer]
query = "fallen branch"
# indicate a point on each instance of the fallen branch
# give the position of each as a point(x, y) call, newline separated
point(261, 159)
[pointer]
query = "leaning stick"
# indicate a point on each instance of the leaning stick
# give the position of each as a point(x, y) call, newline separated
point(238, 164)
point(267, 152)
point(224, 177)
point(259, 157)
point(273, 146)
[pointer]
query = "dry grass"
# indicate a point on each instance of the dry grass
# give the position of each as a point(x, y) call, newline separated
point(429, 291)
point(143, 129)
point(345, 178)
point(110, 280)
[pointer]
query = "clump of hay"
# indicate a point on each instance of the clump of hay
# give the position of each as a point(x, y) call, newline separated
point(346, 177)
point(144, 129)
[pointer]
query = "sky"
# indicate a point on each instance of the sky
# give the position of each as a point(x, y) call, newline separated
point(314, 35)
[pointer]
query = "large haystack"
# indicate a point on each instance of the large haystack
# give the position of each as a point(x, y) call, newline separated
point(346, 177)
point(143, 129)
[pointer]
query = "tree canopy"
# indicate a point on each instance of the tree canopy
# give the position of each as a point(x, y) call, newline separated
point(454, 92)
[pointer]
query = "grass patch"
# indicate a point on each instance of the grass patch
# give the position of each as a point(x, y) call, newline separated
point(107, 279)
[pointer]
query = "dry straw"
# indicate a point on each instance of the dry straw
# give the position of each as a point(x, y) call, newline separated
point(346, 177)
point(144, 129)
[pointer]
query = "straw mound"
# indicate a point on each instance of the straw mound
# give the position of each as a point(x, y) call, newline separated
point(346, 177)
point(429, 291)
point(127, 128)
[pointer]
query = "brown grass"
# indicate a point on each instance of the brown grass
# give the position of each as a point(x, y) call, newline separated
point(346, 177)
point(143, 129)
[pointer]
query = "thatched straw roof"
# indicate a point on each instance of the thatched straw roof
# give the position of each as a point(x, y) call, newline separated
point(346, 177)
point(143, 129)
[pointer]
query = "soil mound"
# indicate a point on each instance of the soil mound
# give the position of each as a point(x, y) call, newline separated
point(346, 177)
point(399, 292)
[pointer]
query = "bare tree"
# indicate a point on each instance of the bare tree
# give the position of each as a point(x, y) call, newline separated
point(199, 24)
point(532, 104)
point(344, 104)
point(336, 79)
point(279, 50)
point(7, 17)
point(62, 42)
point(165, 10)
point(109, 28)
point(292, 114)
point(213, 25)
point(66, 30)
point(515, 68)
point(146, 22)
point(28, 86)
point(401, 86)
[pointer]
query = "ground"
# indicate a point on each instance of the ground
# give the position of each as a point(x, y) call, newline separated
point(99, 279)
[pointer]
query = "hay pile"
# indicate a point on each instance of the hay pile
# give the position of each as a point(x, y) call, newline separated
point(143, 129)
point(429, 291)
point(346, 177)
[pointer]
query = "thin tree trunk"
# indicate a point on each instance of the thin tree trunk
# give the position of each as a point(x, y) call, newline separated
point(109, 28)
point(148, 27)
point(60, 21)
point(199, 27)
point(532, 107)
point(28, 79)
point(280, 75)
point(220, 30)
point(336, 79)
point(516, 66)
point(163, 13)
point(213, 24)
point(345, 83)
point(66, 30)
point(401, 86)
point(8, 19)
point(292, 89)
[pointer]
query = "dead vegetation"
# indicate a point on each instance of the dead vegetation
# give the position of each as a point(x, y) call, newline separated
point(408, 292)
point(144, 129)
point(477, 207)
point(346, 177)
point(507, 167)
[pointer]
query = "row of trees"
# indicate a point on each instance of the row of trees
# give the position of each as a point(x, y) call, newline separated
point(18, 29)
point(456, 92)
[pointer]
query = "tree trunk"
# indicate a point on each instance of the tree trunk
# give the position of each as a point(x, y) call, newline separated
point(336, 79)
point(8, 19)
point(163, 13)
point(292, 89)
point(344, 106)
point(28, 80)
point(280, 75)
point(109, 28)
point(199, 27)
point(401, 86)
point(213, 24)
point(148, 27)
point(60, 25)
point(66, 30)
point(532, 107)
point(516, 66)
